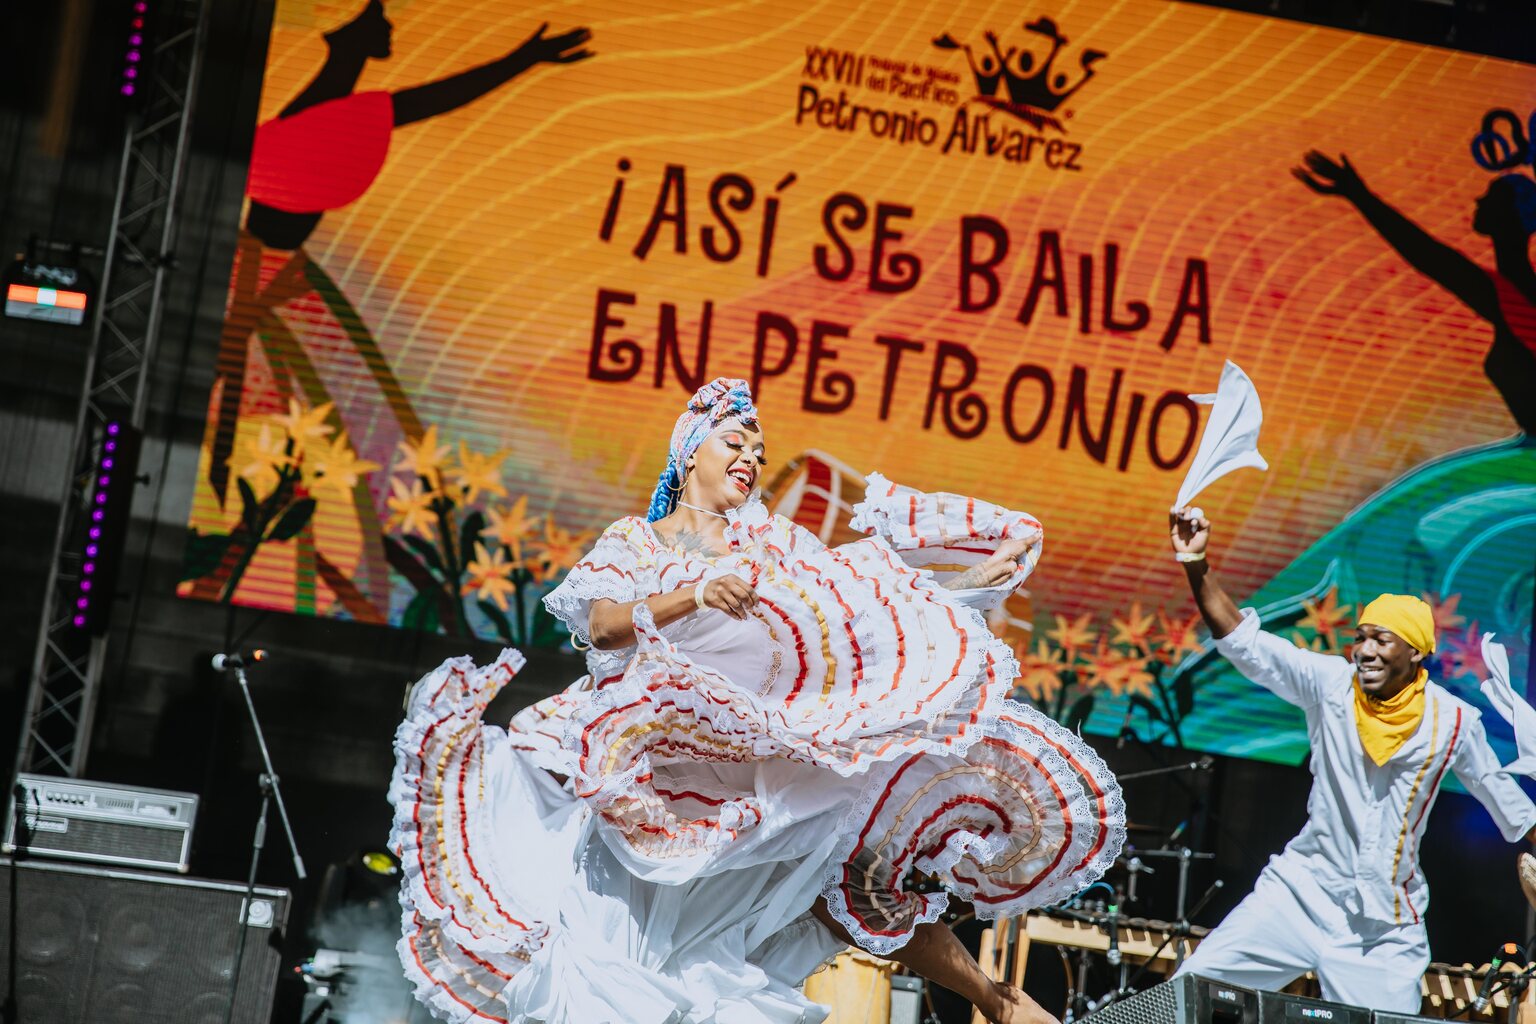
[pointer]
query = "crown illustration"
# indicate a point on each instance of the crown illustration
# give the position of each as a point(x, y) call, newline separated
point(1031, 85)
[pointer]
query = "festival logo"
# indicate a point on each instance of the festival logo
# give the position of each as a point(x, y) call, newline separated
point(1022, 78)
point(1019, 78)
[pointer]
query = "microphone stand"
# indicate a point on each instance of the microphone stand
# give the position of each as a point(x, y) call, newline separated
point(269, 792)
point(1516, 980)
point(1180, 929)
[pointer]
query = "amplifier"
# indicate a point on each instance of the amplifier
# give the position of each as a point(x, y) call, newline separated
point(1187, 999)
point(103, 822)
point(91, 945)
point(1279, 1008)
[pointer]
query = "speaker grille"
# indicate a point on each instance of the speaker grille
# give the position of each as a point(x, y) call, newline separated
point(1156, 1005)
point(97, 946)
point(116, 840)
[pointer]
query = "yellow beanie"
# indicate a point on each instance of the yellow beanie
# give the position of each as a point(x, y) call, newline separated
point(1408, 617)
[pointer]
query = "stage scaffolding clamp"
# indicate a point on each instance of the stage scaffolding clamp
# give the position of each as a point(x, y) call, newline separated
point(125, 329)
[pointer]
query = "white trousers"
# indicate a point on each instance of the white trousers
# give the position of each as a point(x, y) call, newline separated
point(1288, 925)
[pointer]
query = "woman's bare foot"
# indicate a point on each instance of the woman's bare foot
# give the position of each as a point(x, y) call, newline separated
point(1011, 1006)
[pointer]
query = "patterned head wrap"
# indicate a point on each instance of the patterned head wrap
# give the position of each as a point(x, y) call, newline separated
point(721, 399)
point(1408, 617)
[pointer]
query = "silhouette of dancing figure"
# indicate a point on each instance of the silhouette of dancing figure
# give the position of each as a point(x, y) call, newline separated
point(324, 148)
point(321, 152)
point(1504, 296)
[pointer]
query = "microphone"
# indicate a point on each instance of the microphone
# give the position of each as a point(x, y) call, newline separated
point(1205, 763)
point(237, 659)
point(1509, 949)
point(1112, 955)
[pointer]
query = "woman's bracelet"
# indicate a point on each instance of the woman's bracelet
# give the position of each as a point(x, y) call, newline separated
point(698, 594)
point(1189, 556)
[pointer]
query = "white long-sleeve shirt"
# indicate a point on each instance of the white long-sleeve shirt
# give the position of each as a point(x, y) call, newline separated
point(1364, 821)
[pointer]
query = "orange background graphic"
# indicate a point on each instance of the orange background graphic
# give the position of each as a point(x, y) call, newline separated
point(475, 261)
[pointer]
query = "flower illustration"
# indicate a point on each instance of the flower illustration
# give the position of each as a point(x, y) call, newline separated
point(262, 459)
point(336, 469)
point(1039, 670)
point(1315, 644)
point(1100, 667)
point(410, 508)
point(476, 473)
point(559, 551)
point(1134, 629)
point(306, 426)
point(425, 456)
point(489, 577)
point(1129, 675)
point(512, 527)
point(1177, 637)
point(1327, 618)
point(1071, 636)
point(1461, 653)
point(1446, 619)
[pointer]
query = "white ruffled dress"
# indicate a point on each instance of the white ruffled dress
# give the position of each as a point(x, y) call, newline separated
point(723, 773)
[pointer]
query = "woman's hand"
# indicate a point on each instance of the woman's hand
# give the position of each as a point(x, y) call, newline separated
point(730, 594)
point(1188, 531)
point(995, 571)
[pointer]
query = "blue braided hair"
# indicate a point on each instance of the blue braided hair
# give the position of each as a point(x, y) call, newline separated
point(664, 497)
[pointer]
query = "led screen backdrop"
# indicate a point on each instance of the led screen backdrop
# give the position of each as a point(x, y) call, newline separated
point(981, 247)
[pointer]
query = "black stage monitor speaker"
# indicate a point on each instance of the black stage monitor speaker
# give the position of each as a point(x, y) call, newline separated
point(1187, 999)
point(1279, 1008)
point(97, 945)
point(1383, 1017)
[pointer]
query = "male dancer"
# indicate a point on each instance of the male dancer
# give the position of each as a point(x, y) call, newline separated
point(1346, 898)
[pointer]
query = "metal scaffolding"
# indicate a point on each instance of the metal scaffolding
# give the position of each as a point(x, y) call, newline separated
point(125, 330)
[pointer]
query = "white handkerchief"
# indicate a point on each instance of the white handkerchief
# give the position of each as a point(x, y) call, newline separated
point(1231, 437)
point(1511, 706)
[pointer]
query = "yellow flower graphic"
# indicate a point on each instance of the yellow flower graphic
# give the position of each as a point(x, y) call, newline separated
point(306, 426)
point(1070, 636)
point(1327, 617)
point(1039, 670)
point(1100, 667)
point(489, 577)
point(476, 473)
point(559, 551)
point(1177, 637)
point(1129, 675)
point(1315, 644)
point(336, 469)
point(425, 456)
point(1134, 629)
point(512, 527)
point(260, 460)
point(410, 508)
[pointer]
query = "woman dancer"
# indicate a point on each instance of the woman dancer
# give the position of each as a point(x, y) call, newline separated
point(772, 737)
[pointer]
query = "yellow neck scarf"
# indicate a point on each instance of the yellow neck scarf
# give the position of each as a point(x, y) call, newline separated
point(1385, 725)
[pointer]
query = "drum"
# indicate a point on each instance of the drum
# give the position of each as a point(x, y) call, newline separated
point(817, 492)
point(856, 986)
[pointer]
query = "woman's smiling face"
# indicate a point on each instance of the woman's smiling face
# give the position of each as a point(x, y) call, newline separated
point(724, 470)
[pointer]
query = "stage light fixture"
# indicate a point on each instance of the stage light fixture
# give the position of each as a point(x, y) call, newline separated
point(55, 292)
point(135, 48)
point(102, 547)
